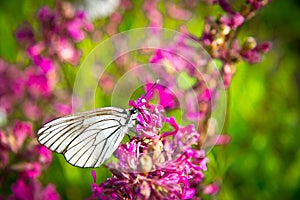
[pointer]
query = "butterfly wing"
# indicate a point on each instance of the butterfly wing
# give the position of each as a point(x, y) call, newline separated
point(86, 139)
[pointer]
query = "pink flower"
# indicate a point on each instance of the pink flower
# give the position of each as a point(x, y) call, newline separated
point(24, 34)
point(257, 4)
point(75, 30)
point(31, 110)
point(32, 170)
point(177, 12)
point(22, 130)
point(50, 193)
point(77, 27)
point(169, 59)
point(58, 33)
point(32, 189)
point(45, 64)
point(45, 155)
point(45, 15)
point(63, 109)
point(252, 56)
point(157, 165)
point(66, 51)
point(166, 98)
point(190, 193)
point(211, 189)
point(36, 49)
point(234, 20)
point(38, 84)
point(264, 47)
point(22, 190)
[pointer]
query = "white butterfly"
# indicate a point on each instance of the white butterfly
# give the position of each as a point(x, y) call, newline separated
point(89, 138)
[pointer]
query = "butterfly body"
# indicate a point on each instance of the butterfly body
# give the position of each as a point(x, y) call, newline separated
point(88, 138)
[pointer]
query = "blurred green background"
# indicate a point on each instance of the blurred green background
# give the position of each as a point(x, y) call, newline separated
point(263, 159)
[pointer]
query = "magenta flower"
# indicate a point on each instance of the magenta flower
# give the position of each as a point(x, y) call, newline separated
point(78, 26)
point(24, 34)
point(23, 190)
point(211, 189)
point(217, 39)
point(30, 190)
point(11, 86)
point(176, 63)
point(233, 21)
point(63, 109)
point(50, 193)
point(32, 170)
point(152, 13)
point(45, 155)
point(21, 131)
point(38, 84)
point(48, 44)
point(65, 50)
point(36, 49)
point(45, 64)
point(31, 110)
point(61, 29)
point(155, 164)
point(257, 4)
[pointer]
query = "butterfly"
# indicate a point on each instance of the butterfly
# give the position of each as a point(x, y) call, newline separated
point(87, 139)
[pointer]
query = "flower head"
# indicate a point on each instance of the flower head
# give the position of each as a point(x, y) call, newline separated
point(156, 163)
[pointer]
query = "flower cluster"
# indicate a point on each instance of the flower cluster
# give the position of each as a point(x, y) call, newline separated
point(156, 164)
point(181, 67)
point(20, 154)
point(219, 37)
point(54, 42)
point(24, 92)
point(152, 13)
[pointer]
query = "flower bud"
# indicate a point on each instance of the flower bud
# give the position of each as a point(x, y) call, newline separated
point(249, 44)
point(145, 164)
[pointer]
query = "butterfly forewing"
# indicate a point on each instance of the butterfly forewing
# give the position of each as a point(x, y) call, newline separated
point(89, 138)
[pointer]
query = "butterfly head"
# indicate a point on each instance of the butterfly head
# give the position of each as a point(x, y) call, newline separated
point(133, 112)
point(140, 107)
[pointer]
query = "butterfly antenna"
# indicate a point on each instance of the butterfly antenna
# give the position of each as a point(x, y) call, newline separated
point(151, 88)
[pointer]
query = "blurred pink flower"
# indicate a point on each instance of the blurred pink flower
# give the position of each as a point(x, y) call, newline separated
point(36, 49)
point(24, 34)
point(177, 12)
point(211, 189)
point(65, 51)
point(233, 21)
point(78, 26)
point(264, 47)
point(151, 11)
point(23, 190)
point(62, 109)
point(166, 98)
point(38, 84)
point(31, 189)
point(61, 28)
point(31, 110)
point(32, 170)
point(50, 193)
point(45, 64)
point(45, 155)
point(21, 130)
